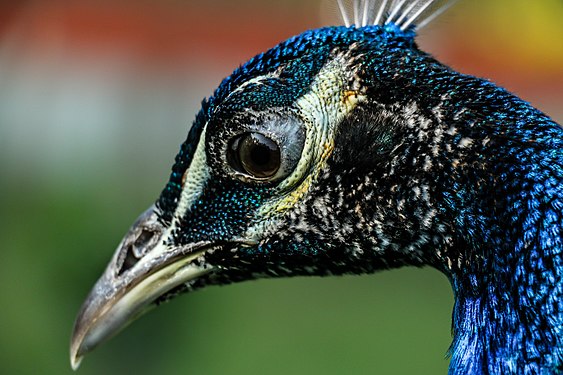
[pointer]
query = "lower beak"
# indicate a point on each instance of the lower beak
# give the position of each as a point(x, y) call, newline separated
point(143, 268)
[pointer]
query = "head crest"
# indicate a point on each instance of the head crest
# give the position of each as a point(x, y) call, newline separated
point(403, 13)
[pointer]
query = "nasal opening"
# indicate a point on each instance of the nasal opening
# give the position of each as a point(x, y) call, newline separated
point(141, 239)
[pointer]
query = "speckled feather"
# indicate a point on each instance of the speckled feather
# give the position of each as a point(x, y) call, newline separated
point(402, 161)
point(435, 168)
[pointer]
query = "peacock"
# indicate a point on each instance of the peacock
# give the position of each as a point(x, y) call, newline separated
point(348, 150)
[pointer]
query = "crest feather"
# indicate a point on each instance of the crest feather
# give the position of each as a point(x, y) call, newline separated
point(403, 13)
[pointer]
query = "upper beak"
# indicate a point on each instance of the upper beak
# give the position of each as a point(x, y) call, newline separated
point(143, 268)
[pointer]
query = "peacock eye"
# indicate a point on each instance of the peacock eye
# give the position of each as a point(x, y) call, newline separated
point(254, 155)
point(259, 148)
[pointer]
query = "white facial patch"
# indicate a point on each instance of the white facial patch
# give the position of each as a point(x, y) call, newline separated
point(321, 109)
point(196, 176)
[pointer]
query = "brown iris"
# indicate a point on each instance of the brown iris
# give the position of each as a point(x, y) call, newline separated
point(255, 155)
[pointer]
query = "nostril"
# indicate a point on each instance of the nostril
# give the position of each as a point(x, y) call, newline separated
point(129, 260)
point(143, 239)
point(133, 251)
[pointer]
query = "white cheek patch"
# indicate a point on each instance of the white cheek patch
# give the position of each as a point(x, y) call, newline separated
point(321, 110)
point(196, 177)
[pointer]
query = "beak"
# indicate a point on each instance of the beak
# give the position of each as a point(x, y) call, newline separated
point(143, 268)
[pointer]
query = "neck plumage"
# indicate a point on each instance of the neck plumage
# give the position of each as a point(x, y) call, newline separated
point(480, 197)
point(508, 315)
point(508, 329)
point(468, 178)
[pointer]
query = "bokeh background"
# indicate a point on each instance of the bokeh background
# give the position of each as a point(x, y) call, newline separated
point(96, 97)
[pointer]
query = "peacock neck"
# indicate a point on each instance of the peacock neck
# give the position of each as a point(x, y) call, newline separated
point(499, 192)
point(508, 272)
point(512, 327)
point(469, 179)
point(502, 188)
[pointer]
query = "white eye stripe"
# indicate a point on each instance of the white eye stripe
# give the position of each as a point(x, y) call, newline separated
point(195, 177)
point(321, 110)
point(256, 80)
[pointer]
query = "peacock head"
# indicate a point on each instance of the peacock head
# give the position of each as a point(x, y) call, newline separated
point(259, 187)
point(341, 150)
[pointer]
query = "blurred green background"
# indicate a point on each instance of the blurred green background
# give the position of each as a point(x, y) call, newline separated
point(95, 98)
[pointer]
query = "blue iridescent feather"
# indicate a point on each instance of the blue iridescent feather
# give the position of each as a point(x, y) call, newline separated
point(384, 157)
point(501, 201)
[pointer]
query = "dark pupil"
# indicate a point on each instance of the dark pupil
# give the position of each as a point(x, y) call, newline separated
point(256, 154)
